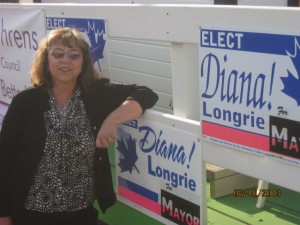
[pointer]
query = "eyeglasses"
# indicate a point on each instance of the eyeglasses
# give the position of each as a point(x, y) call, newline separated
point(60, 54)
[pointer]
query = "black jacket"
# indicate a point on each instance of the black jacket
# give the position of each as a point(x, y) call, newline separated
point(23, 136)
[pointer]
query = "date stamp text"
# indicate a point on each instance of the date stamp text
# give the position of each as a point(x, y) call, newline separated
point(252, 192)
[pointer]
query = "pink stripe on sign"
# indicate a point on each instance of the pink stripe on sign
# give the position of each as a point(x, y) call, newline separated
point(240, 137)
point(139, 200)
point(4, 103)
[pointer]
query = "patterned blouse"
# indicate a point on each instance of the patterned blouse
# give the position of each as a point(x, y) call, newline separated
point(64, 181)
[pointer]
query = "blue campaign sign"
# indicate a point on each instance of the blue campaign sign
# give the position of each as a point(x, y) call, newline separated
point(96, 33)
point(249, 89)
point(159, 168)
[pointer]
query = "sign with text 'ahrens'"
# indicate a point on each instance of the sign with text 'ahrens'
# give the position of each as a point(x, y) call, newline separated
point(250, 98)
point(19, 40)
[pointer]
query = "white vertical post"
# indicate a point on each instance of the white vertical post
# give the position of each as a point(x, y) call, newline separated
point(185, 80)
point(262, 185)
point(186, 95)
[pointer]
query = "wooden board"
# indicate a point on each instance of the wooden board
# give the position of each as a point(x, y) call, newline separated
point(223, 181)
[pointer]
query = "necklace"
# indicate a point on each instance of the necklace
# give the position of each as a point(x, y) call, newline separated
point(63, 112)
point(65, 109)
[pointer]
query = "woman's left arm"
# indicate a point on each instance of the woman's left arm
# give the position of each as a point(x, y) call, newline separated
point(128, 102)
point(129, 110)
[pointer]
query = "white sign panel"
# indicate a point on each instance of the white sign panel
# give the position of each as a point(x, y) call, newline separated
point(95, 31)
point(20, 33)
point(159, 168)
point(250, 97)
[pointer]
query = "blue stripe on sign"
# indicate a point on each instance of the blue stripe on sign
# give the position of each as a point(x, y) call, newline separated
point(278, 44)
point(138, 189)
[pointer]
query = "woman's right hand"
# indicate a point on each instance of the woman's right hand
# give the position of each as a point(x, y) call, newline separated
point(5, 221)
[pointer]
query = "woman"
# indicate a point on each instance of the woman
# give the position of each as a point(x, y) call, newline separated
point(54, 137)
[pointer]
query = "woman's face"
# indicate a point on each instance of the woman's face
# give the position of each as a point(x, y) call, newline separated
point(65, 64)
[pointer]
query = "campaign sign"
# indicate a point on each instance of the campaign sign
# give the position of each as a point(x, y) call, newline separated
point(20, 31)
point(249, 84)
point(95, 32)
point(159, 168)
